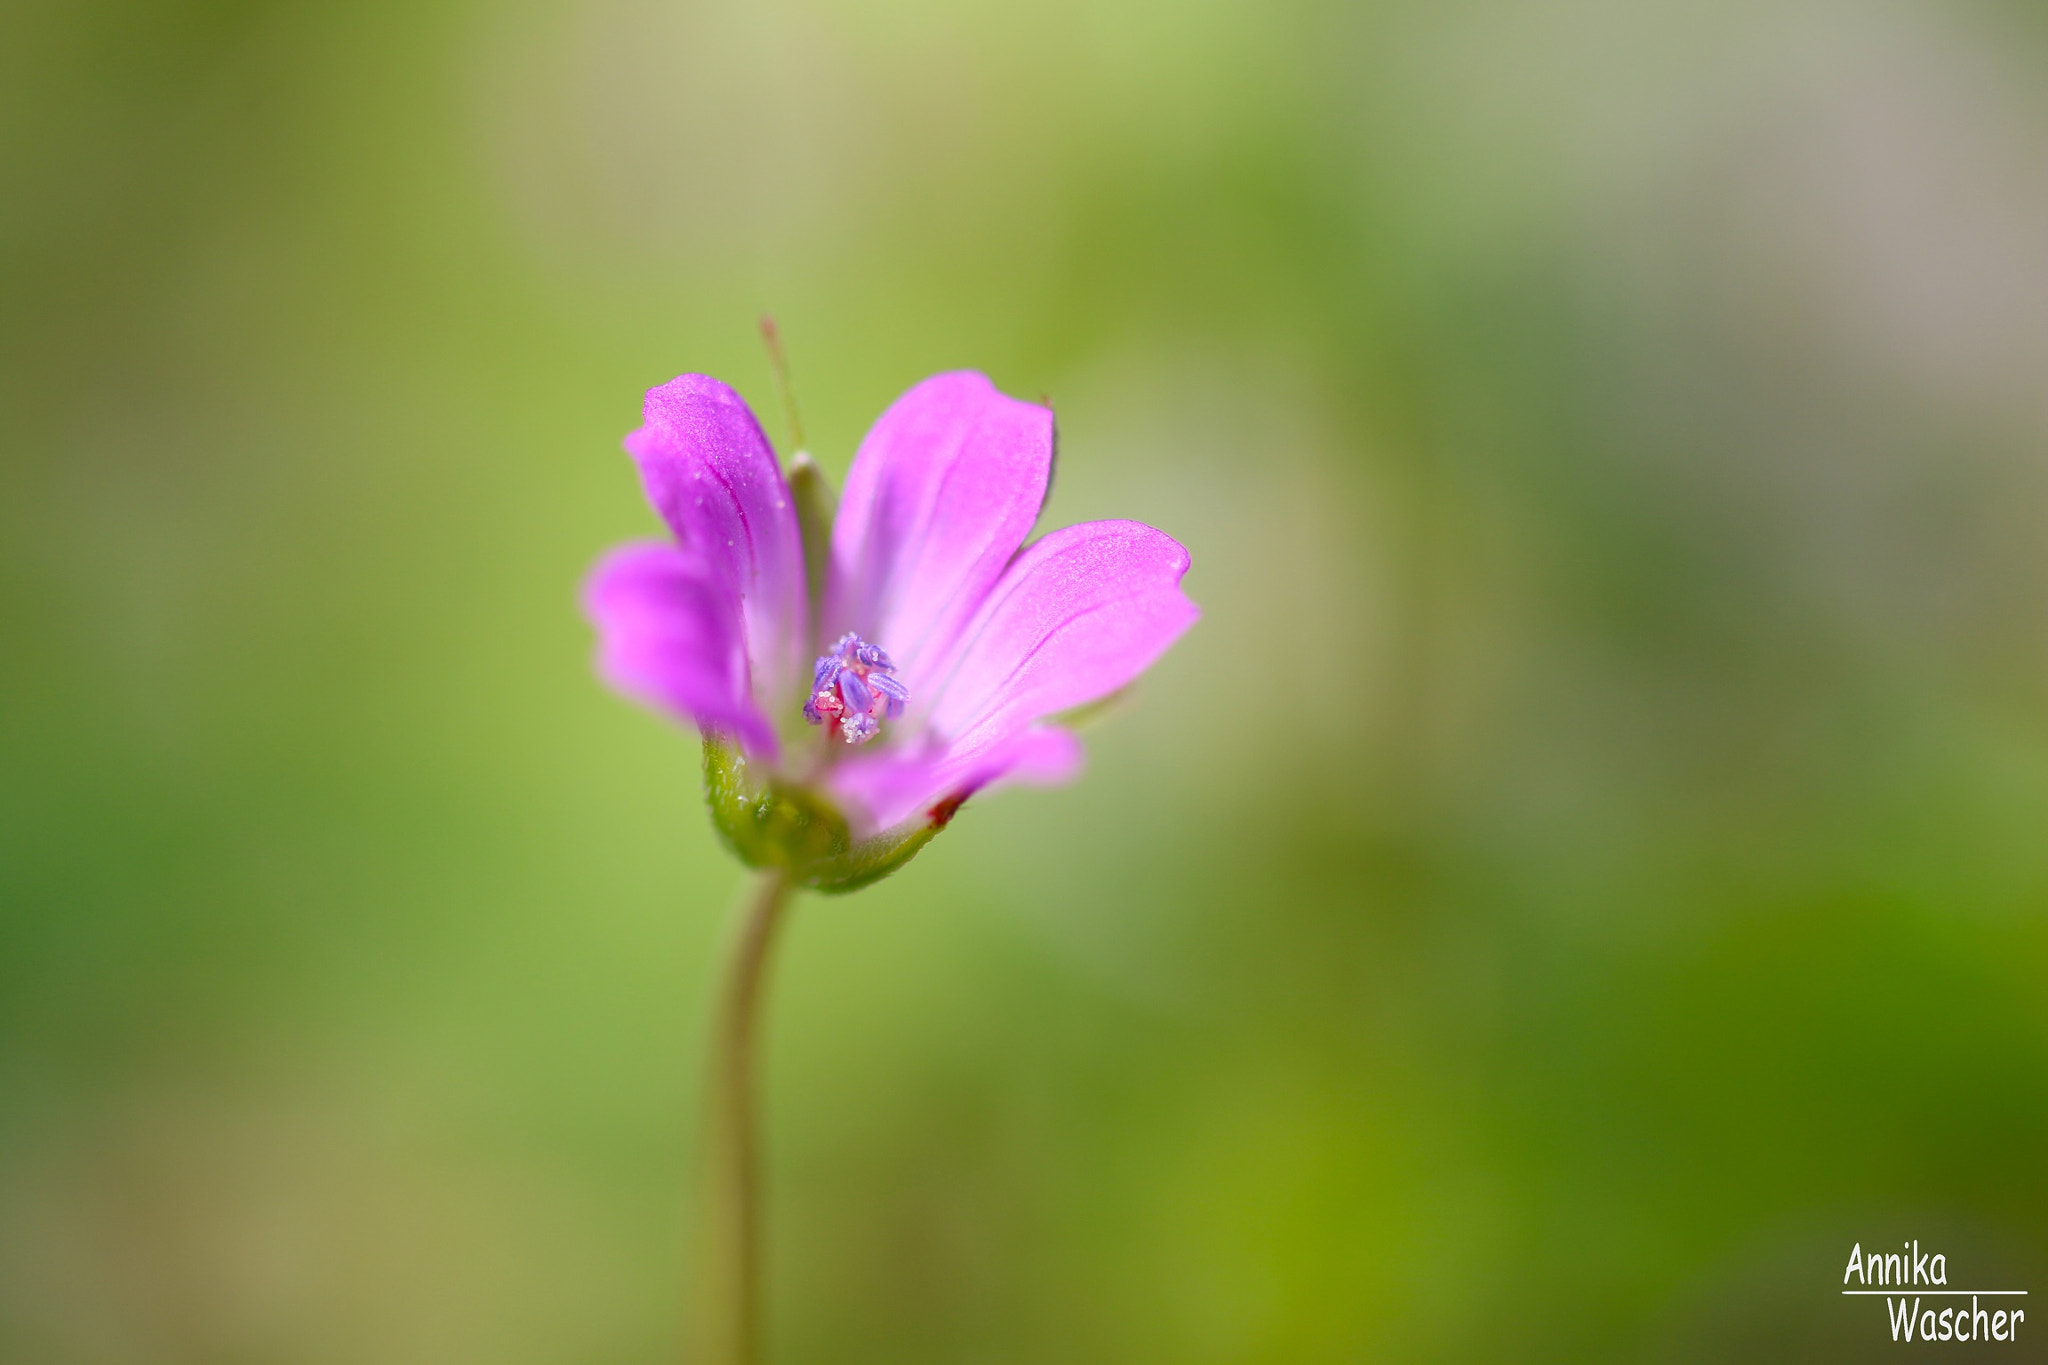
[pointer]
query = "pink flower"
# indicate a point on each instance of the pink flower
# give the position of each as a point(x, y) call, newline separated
point(942, 648)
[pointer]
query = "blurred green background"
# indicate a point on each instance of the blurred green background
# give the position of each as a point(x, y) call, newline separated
point(1586, 871)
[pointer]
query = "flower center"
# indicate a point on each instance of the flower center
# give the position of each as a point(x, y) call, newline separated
point(852, 687)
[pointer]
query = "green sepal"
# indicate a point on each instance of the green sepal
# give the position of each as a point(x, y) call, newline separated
point(815, 505)
point(867, 861)
point(767, 822)
point(1089, 712)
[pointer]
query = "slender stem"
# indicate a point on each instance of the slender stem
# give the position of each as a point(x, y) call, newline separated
point(731, 1307)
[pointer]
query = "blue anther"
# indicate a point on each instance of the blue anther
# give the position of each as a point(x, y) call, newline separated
point(850, 684)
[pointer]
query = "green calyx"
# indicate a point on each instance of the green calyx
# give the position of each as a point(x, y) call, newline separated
point(768, 822)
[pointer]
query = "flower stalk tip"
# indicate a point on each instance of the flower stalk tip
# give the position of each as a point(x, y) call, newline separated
point(778, 360)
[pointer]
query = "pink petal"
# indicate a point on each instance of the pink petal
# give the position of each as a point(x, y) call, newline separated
point(887, 788)
point(712, 475)
point(942, 492)
point(1077, 616)
point(668, 635)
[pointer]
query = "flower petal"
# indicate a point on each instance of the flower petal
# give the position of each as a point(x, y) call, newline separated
point(1077, 616)
point(712, 475)
point(889, 788)
point(669, 636)
point(942, 492)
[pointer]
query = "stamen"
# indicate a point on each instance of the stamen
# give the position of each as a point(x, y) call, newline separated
point(850, 684)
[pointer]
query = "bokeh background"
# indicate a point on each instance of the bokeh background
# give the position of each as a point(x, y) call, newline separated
point(1586, 871)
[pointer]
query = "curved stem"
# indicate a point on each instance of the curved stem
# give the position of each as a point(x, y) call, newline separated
point(731, 1308)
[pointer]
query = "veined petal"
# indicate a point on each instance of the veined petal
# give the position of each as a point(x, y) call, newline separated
point(712, 475)
point(1077, 616)
point(889, 788)
point(941, 493)
point(668, 635)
